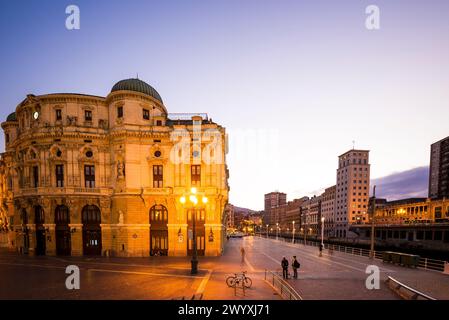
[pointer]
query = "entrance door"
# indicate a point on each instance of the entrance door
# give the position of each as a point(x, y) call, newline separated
point(91, 218)
point(63, 235)
point(158, 231)
point(39, 220)
point(199, 232)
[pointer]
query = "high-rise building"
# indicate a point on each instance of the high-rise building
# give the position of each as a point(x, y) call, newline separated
point(352, 195)
point(273, 200)
point(439, 170)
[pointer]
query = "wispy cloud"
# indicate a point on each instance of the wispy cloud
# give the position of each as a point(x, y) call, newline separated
point(406, 184)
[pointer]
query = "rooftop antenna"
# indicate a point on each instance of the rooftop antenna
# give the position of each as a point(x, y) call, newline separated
point(137, 75)
point(353, 144)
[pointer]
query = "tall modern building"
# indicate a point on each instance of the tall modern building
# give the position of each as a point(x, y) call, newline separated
point(439, 170)
point(273, 200)
point(90, 175)
point(352, 194)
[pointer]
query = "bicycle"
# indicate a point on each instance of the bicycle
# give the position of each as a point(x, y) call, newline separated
point(237, 279)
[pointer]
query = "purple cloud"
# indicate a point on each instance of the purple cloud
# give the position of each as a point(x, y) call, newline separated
point(407, 184)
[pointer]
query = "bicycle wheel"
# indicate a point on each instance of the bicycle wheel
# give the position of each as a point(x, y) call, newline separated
point(230, 281)
point(248, 282)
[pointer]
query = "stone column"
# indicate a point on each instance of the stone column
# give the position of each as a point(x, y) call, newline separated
point(32, 239)
point(177, 239)
point(76, 230)
point(214, 239)
point(106, 239)
point(50, 237)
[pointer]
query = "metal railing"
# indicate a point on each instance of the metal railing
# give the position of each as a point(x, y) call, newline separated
point(284, 289)
point(431, 264)
point(405, 292)
point(424, 263)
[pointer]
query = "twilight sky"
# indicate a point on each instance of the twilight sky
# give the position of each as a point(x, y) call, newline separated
point(294, 82)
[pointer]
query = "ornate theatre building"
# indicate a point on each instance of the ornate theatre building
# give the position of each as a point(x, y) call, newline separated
point(89, 175)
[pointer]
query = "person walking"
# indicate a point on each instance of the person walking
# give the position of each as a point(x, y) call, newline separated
point(284, 265)
point(242, 251)
point(295, 267)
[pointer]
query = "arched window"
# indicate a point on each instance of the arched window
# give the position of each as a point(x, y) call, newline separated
point(62, 215)
point(39, 217)
point(91, 215)
point(158, 213)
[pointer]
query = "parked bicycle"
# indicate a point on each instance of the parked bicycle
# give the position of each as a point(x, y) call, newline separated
point(239, 279)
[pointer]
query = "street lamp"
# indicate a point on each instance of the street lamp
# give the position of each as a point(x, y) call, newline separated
point(322, 234)
point(193, 200)
point(277, 230)
point(371, 252)
point(267, 231)
point(293, 233)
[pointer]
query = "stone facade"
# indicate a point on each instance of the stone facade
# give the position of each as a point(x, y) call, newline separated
point(84, 174)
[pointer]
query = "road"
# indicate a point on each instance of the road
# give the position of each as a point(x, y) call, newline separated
point(338, 276)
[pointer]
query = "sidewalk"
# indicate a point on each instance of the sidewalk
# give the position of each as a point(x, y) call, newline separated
point(227, 265)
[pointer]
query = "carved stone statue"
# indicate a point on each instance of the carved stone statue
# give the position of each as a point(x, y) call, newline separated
point(120, 169)
point(120, 217)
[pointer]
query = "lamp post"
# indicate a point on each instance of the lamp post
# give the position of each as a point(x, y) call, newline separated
point(267, 231)
point(293, 233)
point(305, 233)
point(322, 234)
point(193, 200)
point(371, 252)
point(277, 230)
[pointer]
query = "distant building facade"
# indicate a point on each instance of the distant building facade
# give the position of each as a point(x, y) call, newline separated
point(89, 175)
point(418, 222)
point(311, 216)
point(328, 210)
point(273, 200)
point(439, 170)
point(352, 190)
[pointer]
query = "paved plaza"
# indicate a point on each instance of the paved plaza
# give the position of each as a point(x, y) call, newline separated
point(336, 276)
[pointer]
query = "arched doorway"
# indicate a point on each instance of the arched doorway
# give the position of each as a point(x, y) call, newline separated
point(26, 238)
point(39, 220)
point(91, 218)
point(158, 231)
point(63, 236)
point(199, 231)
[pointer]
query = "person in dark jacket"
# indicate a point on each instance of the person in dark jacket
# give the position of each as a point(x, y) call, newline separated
point(295, 267)
point(284, 264)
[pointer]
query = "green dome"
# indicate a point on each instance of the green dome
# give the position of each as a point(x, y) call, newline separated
point(137, 85)
point(11, 117)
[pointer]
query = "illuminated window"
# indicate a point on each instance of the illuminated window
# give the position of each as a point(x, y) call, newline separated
point(196, 175)
point(89, 176)
point(60, 175)
point(158, 176)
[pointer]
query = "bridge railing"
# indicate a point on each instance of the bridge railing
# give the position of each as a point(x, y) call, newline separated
point(405, 291)
point(424, 263)
point(285, 290)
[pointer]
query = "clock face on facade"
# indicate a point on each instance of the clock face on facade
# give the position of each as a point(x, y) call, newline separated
point(35, 115)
